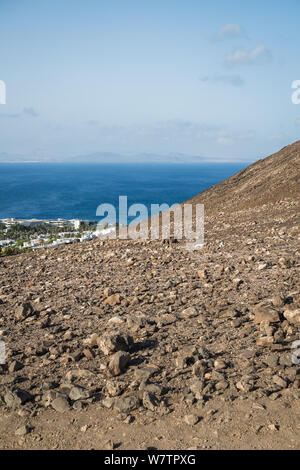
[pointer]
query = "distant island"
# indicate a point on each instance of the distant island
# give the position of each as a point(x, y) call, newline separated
point(110, 157)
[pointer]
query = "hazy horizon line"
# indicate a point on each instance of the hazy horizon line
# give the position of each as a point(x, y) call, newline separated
point(114, 158)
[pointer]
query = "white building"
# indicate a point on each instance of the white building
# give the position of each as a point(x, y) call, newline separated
point(6, 242)
point(76, 223)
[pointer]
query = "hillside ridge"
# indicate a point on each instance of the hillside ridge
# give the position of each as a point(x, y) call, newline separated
point(265, 181)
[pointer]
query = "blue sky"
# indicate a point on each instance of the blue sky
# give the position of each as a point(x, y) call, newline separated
point(163, 76)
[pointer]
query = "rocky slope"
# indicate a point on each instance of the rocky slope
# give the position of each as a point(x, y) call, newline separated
point(267, 181)
point(118, 344)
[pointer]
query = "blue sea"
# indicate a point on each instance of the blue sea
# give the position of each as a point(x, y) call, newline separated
point(54, 190)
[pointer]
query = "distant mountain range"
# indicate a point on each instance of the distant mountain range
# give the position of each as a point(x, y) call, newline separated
point(109, 157)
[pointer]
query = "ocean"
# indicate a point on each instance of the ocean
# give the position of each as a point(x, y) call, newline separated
point(65, 190)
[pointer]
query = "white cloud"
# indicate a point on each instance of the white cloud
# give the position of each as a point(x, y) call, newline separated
point(228, 31)
point(9, 116)
point(243, 57)
point(199, 132)
point(277, 138)
point(234, 80)
point(30, 111)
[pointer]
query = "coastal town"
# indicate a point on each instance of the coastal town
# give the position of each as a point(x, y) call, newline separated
point(17, 235)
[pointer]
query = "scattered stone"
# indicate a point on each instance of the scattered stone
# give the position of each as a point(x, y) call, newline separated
point(191, 419)
point(202, 273)
point(262, 266)
point(114, 388)
point(277, 301)
point(78, 393)
point(108, 402)
point(150, 401)
point(273, 427)
point(115, 342)
point(48, 397)
point(196, 387)
point(88, 353)
point(118, 363)
point(24, 311)
point(49, 385)
point(243, 386)
point(184, 359)
point(189, 312)
point(116, 320)
point(219, 364)
point(68, 335)
point(112, 300)
point(17, 397)
point(129, 419)
point(85, 427)
point(78, 374)
point(109, 445)
point(293, 316)
point(199, 369)
point(265, 341)
point(108, 291)
point(60, 404)
point(15, 366)
point(279, 381)
point(77, 405)
point(144, 373)
point(22, 431)
point(126, 404)
point(153, 388)
point(265, 314)
point(91, 340)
